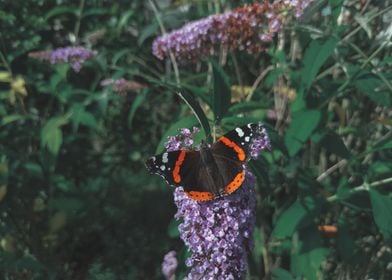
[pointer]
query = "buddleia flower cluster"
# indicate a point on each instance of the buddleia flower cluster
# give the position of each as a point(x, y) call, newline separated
point(249, 28)
point(74, 56)
point(218, 233)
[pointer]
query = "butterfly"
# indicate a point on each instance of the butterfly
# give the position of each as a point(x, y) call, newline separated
point(212, 171)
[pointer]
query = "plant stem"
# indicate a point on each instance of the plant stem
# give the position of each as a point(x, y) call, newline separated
point(163, 31)
point(364, 187)
point(258, 81)
point(5, 63)
point(330, 170)
point(79, 20)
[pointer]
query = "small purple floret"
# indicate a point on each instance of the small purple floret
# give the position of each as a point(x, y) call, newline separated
point(169, 265)
point(259, 144)
point(182, 140)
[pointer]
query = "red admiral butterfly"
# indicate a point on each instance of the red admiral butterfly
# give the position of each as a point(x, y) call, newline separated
point(214, 170)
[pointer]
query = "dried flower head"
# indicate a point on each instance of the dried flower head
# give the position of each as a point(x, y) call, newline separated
point(122, 86)
point(249, 28)
point(75, 56)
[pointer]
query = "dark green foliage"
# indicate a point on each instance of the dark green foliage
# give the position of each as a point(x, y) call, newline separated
point(76, 201)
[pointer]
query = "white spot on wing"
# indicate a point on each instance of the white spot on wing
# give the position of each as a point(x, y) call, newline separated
point(240, 132)
point(247, 138)
point(165, 159)
point(162, 167)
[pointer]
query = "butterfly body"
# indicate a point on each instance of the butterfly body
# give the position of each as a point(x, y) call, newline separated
point(213, 170)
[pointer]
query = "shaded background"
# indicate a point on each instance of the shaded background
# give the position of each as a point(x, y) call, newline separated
point(76, 201)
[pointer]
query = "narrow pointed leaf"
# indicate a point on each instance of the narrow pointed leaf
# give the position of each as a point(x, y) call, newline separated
point(222, 92)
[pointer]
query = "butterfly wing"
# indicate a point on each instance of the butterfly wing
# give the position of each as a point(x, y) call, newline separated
point(163, 165)
point(182, 168)
point(240, 140)
point(229, 159)
point(205, 181)
point(231, 152)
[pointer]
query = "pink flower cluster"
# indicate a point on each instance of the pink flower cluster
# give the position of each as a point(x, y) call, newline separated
point(248, 28)
point(122, 86)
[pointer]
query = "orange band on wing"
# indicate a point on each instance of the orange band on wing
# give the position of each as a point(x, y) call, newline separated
point(240, 152)
point(201, 196)
point(176, 170)
point(236, 183)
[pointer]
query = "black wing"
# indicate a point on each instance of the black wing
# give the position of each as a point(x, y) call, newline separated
point(182, 168)
point(163, 165)
point(239, 140)
point(231, 152)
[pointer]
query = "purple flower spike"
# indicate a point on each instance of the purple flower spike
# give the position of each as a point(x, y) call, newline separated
point(218, 233)
point(247, 28)
point(169, 265)
point(75, 56)
point(259, 144)
point(182, 140)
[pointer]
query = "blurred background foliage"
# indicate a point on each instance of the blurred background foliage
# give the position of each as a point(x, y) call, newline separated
point(75, 199)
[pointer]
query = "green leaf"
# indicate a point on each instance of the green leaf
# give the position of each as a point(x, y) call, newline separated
point(94, 12)
point(81, 116)
point(281, 274)
point(198, 111)
point(371, 86)
point(386, 144)
point(382, 213)
point(119, 55)
point(147, 32)
point(247, 107)
point(53, 140)
point(299, 214)
point(28, 263)
point(51, 134)
point(315, 56)
point(333, 143)
point(301, 127)
point(172, 230)
point(124, 20)
point(140, 98)
point(60, 10)
point(308, 253)
point(345, 243)
point(222, 92)
point(336, 6)
point(67, 204)
point(199, 92)
point(11, 118)
point(379, 168)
